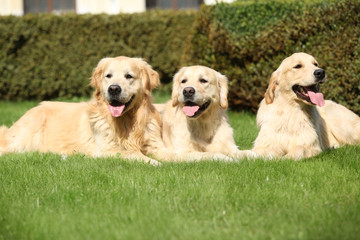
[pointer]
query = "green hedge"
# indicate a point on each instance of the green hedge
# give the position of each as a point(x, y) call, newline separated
point(48, 56)
point(247, 42)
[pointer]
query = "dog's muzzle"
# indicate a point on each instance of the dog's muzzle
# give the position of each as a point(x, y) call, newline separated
point(319, 75)
point(189, 93)
point(114, 90)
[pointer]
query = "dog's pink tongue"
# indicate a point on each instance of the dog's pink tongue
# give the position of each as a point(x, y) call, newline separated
point(316, 98)
point(116, 111)
point(190, 110)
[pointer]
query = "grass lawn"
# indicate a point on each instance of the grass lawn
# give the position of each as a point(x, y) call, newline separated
point(44, 196)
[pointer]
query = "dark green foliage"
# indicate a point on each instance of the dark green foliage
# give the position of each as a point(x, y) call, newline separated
point(248, 19)
point(248, 43)
point(47, 56)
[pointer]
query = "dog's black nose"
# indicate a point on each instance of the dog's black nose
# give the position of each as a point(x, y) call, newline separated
point(188, 92)
point(319, 75)
point(114, 89)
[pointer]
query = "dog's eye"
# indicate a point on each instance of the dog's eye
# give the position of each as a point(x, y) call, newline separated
point(183, 81)
point(298, 66)
point(108, 75)
point(203, 80)
point(316, 64)
point(128, 76)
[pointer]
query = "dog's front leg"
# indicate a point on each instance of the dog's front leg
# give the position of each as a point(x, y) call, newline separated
point(241, 154)
point(140, 157)
point(130, 155)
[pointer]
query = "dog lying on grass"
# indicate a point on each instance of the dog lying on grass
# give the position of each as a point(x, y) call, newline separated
point(195, 125)
point(294, 119)
point(118, 120)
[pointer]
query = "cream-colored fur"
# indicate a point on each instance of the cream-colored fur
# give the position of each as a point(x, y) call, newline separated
point(89, 127)
point(204, 136)
point(3, 131)
point(292, 127)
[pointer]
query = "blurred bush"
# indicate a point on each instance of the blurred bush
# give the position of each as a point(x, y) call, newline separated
point(48, 56)
point(247, 42)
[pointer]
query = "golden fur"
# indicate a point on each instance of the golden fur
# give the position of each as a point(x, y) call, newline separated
point(89, 127)
point(293, 127)
point(205, 135)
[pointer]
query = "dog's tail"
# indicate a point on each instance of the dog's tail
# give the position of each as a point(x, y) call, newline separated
point(3, 132)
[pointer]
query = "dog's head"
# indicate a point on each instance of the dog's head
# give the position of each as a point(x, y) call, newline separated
point(297, 78)
point(123, 82)
point(197, 89)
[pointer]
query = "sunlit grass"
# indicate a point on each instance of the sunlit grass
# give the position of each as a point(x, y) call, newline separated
point(47, 196)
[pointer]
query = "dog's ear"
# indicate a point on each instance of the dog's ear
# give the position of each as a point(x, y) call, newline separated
point(273, 83)
point(97, 75)
point(150, 78)
point(175, 88)
point(224, 88)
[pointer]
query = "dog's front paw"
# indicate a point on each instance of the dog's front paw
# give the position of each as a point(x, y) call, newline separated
point(250, 154)
point(245, 154)
point(221, 157)
point(154, 162)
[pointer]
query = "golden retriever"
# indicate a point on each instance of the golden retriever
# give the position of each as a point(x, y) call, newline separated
point(195, 125)
point(294, 119)
point(118, 120)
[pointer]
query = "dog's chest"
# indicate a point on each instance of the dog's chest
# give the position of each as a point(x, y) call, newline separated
point(115, 136)
point(201, 135)
point(301, 129)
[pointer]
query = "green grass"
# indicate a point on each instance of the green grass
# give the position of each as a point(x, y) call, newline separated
point(44, 196)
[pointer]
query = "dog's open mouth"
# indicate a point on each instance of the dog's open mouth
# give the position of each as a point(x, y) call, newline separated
point(310, 94)
point(116, 107)
point(193, 110)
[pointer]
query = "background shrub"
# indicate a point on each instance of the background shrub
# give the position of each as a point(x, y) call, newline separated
point(47, 56)
point(247, 42)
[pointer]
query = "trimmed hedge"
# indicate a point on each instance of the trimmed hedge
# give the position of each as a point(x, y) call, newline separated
point(248, 42)
point(48, 56)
